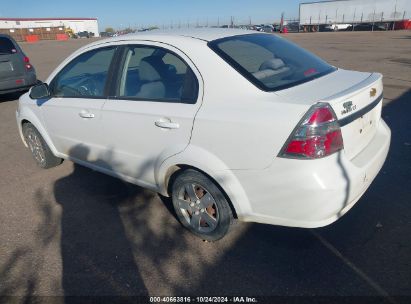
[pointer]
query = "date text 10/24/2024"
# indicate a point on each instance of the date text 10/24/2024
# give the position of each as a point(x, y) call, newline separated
point(203, 300)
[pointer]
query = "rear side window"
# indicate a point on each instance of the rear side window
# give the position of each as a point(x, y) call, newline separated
point(270, 62)
point(156, 74)
point(6, 46)
point(84, 76)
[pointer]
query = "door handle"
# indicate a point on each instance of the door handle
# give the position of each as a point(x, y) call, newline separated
point(167, 124)
point(85, 114)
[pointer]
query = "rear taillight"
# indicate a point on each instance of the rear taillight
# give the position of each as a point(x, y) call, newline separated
point(318, 135)
point(27, 63)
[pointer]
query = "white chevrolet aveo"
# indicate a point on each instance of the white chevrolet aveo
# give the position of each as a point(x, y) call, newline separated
point(231, 124)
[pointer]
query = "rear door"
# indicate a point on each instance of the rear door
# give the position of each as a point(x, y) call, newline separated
point(11, 63)
point(73, 113)
point(150, 115)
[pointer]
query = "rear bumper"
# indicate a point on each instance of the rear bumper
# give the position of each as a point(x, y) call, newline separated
point(312, 193)
point(18, 84)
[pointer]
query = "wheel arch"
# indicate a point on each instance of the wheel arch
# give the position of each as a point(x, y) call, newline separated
point(22, 123)
point(29, 117)
point(211, 166)
point(178, 169)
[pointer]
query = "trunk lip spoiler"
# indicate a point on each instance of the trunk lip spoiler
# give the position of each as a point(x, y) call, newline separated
point(349, 119)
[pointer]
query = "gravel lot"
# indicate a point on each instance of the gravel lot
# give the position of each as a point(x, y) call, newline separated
point(72, 231)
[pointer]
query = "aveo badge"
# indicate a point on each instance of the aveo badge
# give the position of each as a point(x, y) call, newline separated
point(348, 107)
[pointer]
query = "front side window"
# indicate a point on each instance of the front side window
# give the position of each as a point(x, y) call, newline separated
point(85, 76)
point(152, 73)
point(270, 62)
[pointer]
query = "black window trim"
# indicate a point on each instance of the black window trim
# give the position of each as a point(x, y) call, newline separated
point(213, 45)
point(115, 80)
point(107, 85)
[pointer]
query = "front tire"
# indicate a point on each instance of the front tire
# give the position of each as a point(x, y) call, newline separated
point(39, 149)
point(201, 206)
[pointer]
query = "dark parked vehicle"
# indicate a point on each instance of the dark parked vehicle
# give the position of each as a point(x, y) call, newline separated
point(83, 34)
point(267, 29)
point(106, 34)
point(367, 27)
point(293, 26)
point(16, 72)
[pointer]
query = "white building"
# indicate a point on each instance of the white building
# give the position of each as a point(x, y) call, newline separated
point(76, 24)
point(352, 11)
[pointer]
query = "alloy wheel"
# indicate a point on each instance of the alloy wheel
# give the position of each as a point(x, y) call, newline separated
point(36, 147)
point(198, 207)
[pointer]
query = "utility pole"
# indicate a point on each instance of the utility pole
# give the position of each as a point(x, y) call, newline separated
point(319, 17)
point(311, 28)
point(336, 16)
point(353, 21)
point(395, 15)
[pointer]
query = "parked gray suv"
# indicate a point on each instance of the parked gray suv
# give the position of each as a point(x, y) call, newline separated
point(16, 72)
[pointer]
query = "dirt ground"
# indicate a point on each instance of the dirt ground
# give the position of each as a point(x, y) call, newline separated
point(72, 231)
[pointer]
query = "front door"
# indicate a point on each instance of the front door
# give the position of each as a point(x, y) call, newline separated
point(73, 113)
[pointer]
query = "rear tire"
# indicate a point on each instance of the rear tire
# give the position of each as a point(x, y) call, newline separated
point(201, 206)
point(40, 151)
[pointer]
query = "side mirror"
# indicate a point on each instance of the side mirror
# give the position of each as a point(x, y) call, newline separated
point(40, 91)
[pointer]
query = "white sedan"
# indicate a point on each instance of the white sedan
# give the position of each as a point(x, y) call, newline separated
point(230, 124)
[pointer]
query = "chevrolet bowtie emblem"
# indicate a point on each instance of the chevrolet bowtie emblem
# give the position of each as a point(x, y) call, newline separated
point(373, 92)
point(348, 107)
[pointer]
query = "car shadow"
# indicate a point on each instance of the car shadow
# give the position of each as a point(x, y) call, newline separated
point(403, 37)
point(96, 254)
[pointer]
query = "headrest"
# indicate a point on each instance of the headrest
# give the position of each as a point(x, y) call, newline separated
point(151, 68)
point(272, 64)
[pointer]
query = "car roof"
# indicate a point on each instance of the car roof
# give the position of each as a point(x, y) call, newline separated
point(206, 34)
point(176, 37)
point(5, 36)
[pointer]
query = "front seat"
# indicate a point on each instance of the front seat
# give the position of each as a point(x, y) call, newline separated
point(152, 85)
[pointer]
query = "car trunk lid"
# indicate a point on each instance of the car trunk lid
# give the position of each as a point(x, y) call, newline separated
point(11, 66)
point(358, 110)
point(356, 99)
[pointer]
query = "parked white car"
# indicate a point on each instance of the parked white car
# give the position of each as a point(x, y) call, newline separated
point(338, 26)
point(229, 123)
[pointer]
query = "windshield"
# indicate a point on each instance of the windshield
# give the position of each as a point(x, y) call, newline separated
point(270, 62)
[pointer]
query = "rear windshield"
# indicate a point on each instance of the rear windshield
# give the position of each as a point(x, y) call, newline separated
point(270, 62)
point(6, 46)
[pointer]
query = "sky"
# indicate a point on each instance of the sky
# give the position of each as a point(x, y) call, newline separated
point(137, 13)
